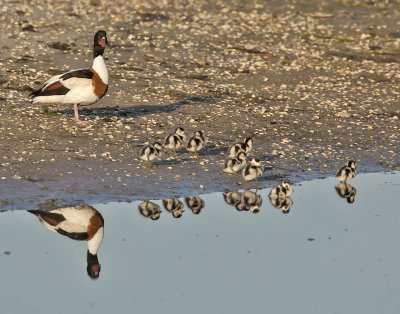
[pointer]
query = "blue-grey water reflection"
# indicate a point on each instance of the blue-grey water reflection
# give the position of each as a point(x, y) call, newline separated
point(328, 248)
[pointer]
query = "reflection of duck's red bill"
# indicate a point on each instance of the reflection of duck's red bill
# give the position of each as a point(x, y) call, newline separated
point(94, 271)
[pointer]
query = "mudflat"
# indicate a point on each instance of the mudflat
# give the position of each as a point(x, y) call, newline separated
point(314, 83)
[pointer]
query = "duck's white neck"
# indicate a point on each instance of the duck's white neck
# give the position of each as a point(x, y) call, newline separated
point(94, 243)
point(100, 67)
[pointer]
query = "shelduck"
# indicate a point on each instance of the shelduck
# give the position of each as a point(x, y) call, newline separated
point(245, 146)
point(284, 189)
point(78, 87)
point(347, 172)
point(253, 170)
point(346, 191)
point(234, 164)
point(195, 203)
point(149, 210)
point(251, 201)
point(196, 142)
point(283, 203)
point(151, 152)
point(173, 206)
point(82, 222)
point(175, 140)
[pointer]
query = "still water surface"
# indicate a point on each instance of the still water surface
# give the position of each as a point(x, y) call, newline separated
point(326, 255)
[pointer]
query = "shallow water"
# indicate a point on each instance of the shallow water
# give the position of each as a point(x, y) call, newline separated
point(325, 256)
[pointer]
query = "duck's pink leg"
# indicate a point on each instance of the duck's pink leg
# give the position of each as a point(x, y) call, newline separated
point(76, 115)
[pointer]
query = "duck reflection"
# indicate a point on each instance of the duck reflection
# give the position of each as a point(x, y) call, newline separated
point(283, 203)
point(81, 222)
point(173, 206)
point(149, 210)
point(195, 203)
point(244, 201)
point(346, 191)
point(280, 196)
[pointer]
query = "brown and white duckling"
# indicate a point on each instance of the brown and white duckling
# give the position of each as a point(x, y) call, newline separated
point(284, 189)
point(346, 191)
point(174, 206)
point(347, 172)
point(253, 170)
point(245, 146)
point(149, 209)
point(252, 201)
point(283, 203)
point(175, 140)
point(196, 142)
point(151, 152)
point(81, 222)
point(195, 203)
point(234, 164)
point(232, 198)
point(78, 87)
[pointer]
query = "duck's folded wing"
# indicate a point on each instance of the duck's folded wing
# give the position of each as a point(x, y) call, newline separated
point(63, 83)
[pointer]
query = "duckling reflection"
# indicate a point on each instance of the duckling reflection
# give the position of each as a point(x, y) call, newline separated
point(283, 203)
point(195, 203)
point(150, 210)
point(252, 201)
point(244, 201)
point(174, 206)
point(346, 191)
point(81, 222)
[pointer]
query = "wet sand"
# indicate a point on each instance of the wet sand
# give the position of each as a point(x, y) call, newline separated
point(315, 84)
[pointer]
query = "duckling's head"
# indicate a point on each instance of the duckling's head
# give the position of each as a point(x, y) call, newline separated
point(156, 215)
point(248, 141)
point(352, 164)
point(177, 213)
point(255, 162)
point(285, 183)
point(180, 131)
point(199, 134)
point(157, 145)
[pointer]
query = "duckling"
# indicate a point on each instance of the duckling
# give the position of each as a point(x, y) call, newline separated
point(150, 153)
point(174, 206)
point(284, 203)
point(196, 142)
point(149, 209)
point(232, 198)
point(246, 146)
point(253, 170)
point(347, 172)
point(234, 164)
point(252, 201)
point(284, 189)
point(175, 140)
point(346, 191)
point(195, 203)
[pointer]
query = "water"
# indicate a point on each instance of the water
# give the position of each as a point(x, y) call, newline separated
point(325, 256)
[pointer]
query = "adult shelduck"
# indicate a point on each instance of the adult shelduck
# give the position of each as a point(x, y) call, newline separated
point(82, 222)
point(347, 172)
point(78, 87)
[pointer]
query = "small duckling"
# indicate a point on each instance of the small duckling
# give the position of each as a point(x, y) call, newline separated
point(175, 140)
point(232, 198)
point(346, 191)
point(195, 203)
point(246, 146)
point(347, 172)
point(284, 189)
point(284, 204)
point(149, 209)
point(252, 201)
point(174, 206)
point(150, 153)
point(234, 164)
point(253, 170)
point(196, 142)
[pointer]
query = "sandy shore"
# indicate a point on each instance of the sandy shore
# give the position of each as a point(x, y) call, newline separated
point(314, 84)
